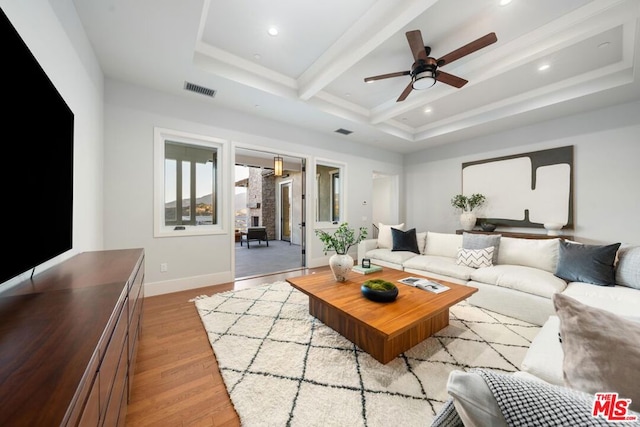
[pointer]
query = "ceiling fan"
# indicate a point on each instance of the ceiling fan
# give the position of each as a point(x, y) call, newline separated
point(424, 71)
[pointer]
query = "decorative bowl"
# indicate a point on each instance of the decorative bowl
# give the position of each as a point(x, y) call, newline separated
point(486, 226)
point(379, 290)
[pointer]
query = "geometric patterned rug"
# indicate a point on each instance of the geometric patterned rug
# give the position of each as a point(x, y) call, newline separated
point(283, 367)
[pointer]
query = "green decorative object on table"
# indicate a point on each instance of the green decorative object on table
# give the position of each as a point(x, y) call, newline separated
point(379, 290)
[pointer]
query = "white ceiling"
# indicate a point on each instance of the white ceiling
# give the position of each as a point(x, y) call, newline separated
point(312, 74)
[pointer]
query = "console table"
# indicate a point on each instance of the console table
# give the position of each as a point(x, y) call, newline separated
point(68, 341)
point(518, 235)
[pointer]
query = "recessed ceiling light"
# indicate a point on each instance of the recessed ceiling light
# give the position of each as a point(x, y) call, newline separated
point(273, 31)
point(504, 2)
point(428, 110)
point(544, 67)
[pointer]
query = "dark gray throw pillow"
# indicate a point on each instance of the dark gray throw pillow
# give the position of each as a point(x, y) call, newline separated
point(587, 263)
point(481, 241)
point(405, 240)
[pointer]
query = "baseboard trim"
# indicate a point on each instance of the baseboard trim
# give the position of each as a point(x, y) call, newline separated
point(183, 284)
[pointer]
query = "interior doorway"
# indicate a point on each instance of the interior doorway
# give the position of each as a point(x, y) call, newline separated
point(271, 203)
point(385, 202)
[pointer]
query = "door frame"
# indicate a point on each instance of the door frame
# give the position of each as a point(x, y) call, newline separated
point(304, 161)
point(284, 183)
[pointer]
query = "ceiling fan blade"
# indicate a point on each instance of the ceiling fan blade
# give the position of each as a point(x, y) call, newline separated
point(416, 44)
point(386, 76)
point(450, 79)
point(407, 90)
point(468, 48)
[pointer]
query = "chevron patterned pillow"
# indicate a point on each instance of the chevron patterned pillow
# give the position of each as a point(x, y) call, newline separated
point(475, 258)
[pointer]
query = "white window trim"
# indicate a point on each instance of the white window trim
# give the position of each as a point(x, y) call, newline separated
point(342, 168)
point(160, 136)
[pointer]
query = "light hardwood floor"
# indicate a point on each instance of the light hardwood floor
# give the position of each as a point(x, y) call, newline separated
point(176, 380)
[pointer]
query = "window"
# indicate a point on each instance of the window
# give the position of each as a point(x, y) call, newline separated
point(335, 196)
point(329, 184)
point(188, 187)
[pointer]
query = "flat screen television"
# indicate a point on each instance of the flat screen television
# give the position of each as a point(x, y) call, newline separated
point(36, 175)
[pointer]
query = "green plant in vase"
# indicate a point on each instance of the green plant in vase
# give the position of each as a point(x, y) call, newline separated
point(467, 204)
point(340, 241)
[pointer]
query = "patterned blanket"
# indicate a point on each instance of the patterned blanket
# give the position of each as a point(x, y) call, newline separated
point(531, 403)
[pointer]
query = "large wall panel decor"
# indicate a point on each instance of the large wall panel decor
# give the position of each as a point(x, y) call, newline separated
point(524, 190)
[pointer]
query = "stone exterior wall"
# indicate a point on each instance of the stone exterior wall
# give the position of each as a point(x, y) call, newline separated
point(269, 205)
point(261, 191)
point(254, 196)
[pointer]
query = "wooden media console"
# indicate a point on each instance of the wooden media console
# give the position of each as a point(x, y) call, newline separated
point(68, 341)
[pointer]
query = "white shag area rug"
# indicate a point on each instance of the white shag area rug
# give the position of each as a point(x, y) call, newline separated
point(283, 367)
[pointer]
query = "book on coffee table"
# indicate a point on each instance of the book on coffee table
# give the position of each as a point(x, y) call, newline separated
point(424, 284)
point(411, 281)
point(434, 287)
point(362, 270)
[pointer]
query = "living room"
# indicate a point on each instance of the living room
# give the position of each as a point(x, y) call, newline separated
point(604, 141)
point(114, 151)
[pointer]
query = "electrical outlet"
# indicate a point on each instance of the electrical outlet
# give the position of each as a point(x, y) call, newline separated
point(163, 267)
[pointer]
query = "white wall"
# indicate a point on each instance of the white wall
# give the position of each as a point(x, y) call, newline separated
point(132, 112)
point(384, 201)
point(113, 172)
point(606, 173)
point(75, 72)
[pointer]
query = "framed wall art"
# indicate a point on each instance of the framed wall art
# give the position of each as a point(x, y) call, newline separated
point(524, 190)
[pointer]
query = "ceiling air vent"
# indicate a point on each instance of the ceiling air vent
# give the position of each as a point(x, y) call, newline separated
point(199, 89)
point(344, 131)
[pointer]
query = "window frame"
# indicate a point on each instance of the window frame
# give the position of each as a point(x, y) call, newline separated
point(340, 169)
point(161, 136)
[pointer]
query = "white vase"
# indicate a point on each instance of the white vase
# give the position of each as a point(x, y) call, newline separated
point(468, 220)
point(553, 228)
point(340, 265)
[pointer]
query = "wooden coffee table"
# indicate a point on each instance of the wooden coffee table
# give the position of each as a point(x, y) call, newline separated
point(384, 330)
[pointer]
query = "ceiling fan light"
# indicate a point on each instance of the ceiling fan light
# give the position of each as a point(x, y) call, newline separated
point(424, 80)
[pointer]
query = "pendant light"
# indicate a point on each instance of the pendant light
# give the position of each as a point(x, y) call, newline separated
point(277, 166)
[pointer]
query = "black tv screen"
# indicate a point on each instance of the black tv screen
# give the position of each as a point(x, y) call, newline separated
point(36, 175)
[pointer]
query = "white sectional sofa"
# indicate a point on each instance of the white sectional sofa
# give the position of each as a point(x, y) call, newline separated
point(522, 280)
point(599, 286)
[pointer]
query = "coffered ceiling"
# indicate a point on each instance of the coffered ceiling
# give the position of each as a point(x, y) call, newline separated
point(311, 75)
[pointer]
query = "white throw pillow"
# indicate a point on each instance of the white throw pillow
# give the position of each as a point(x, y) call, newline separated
point(473, 400)
point(475, 258)
point(628, 266)
point(481, 241)
point(536, 253)
point(385, 239)
point(443, 244)
point(544, 356)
